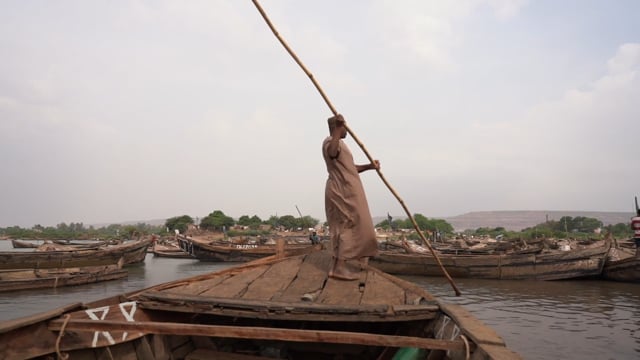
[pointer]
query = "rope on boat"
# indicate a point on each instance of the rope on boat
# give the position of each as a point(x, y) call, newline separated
point(357, 140)
point(466, 347)
point(62, 356)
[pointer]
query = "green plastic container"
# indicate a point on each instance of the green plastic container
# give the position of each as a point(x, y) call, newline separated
point(409, 353)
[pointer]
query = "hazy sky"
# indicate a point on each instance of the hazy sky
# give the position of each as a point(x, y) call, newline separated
point(132, 110)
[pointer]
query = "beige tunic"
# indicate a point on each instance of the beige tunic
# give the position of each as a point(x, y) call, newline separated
point(352, 232)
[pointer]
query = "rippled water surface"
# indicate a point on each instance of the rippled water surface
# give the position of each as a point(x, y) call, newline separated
point(553, 320)
point(539, 320)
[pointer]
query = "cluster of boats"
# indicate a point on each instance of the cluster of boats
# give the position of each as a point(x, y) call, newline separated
point(281, 306)
point(279, 303)
point(57, 264)
point(544, 259)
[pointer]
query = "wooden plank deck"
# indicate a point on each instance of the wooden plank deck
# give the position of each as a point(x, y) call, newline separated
point(295, 287)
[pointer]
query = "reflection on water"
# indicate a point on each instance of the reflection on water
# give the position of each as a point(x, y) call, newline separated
point(539, 320)
point(152, 272)
point(559, 320)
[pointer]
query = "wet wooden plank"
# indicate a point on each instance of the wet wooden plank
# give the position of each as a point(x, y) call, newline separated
point(274, 281)
point(310, 279)
point(235, 285)
point(379, 290)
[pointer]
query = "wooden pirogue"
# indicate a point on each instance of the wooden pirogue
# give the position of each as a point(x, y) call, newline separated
point(555, 265)
point(625, 270)
point(13, 280)
point(19, 244)
point(274, 307)
point(131, 252)
point(226, 251)
point(622, 265)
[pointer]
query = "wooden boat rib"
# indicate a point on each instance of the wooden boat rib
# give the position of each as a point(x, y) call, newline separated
point(132, 252)
point(205, 250)
point(540, 266)
point(270, 308)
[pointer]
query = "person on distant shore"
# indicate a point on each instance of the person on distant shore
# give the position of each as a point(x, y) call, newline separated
point(351, 228)
point(635, 226)
point(315, 240)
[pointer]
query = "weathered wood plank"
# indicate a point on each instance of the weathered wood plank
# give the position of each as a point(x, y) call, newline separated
point(497, 352)
point(236, 285)
point(471, 326)
point(199, 287)
point(178, 303)
point(275, 280)
point(6, 326)
point(13, 342)
point(310, 279)
point(264, 333)
point(379, 290)
point(160, 347)
point(336, 291)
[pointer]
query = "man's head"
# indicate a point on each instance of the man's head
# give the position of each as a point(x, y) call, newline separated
point(337, 122)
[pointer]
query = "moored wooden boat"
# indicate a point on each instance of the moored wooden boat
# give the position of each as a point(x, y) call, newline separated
point(205, 250)
point(551, 265)
point(20, 244)
point(131, 252)
point(13, 280)
point(626, 270)
point(277, 307)
point(83, 244)
point(170, 251)
point(622, 265)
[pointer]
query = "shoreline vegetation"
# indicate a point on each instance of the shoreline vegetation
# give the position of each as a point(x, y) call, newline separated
point(580, 227)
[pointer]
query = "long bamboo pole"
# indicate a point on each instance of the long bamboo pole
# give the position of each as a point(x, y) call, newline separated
point(357, 140)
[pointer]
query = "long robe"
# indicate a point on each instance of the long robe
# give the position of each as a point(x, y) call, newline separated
point(352, 233)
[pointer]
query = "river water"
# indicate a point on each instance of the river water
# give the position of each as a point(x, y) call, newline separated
point(539, 320)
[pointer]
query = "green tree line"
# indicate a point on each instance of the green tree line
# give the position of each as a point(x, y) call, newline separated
point(79, 231)
point(217, 220)
point(566, 226)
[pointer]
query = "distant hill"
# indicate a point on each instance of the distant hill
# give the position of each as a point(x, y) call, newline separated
point(518, 220)
point(153, 222)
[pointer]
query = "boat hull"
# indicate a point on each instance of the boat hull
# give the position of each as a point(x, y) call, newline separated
point(550, 266)
point(277, 307)
point(13, 280)
point(229, 252)
point(626, 270)
point(131, 252)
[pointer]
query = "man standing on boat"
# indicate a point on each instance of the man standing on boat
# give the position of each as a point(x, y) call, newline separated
point(353, 236)
point(635, 226)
